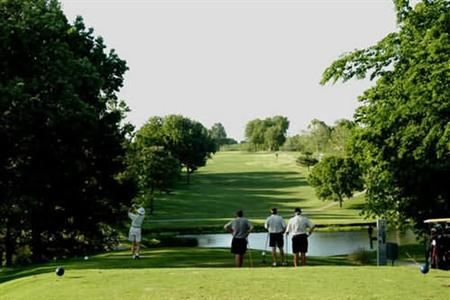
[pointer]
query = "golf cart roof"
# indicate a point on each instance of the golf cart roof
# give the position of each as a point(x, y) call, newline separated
point(442, 220)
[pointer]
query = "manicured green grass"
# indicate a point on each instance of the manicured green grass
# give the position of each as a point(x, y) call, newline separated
point(170, 274)
point(253, 182)
point(180, 257)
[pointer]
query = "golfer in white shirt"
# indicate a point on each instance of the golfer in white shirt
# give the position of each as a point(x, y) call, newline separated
point(300, 227)
point(134, 236)
point(275, 225)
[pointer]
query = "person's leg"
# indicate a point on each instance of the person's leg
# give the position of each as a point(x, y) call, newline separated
point(282, 255)
point(137, 247)
point(239, 260)
point(303, 255)
point(132, 248)
point(274, 255)
point(296, 259)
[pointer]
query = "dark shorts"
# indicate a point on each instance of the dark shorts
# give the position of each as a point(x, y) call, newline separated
point(300, 243)
point(276, 240)
point(238, 246)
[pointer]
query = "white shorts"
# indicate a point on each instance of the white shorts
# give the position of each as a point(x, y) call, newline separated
point(134, 235)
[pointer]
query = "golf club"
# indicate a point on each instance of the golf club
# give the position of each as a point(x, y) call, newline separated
point(414, 261)
point(286, 251)
point(423, 268)
point(250, 254)
point(265, 249)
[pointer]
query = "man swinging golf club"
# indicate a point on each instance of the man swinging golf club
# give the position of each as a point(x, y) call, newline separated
point(134, 236)
point(301, 227)
point(240, 228)
point(275, 225)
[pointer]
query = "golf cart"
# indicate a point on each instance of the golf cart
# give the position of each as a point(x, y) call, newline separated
point(438, 247)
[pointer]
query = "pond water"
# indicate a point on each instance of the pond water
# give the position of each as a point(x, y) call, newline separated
point(320, 243)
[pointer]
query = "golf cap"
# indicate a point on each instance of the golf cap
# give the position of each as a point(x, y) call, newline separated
point(141, 211)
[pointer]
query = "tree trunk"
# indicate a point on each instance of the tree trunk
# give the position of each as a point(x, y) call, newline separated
point(9, 244)
point(1, 258)
point(340, 202)
point(152, 200)
point(36, 242)
point(188, 175)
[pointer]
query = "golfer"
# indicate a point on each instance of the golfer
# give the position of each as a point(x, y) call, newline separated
point(134, 236)
point(275, 225)
point(240, 228)
point(300, 227)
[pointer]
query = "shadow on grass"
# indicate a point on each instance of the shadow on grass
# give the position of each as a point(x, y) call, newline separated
point(159, 258)
point(220, 194)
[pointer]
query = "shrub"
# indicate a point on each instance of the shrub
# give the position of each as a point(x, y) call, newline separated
point(360, 256)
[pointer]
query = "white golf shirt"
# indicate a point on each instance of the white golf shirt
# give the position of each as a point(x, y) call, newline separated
point(136, 220)
point(298, 225)
point(275, 224)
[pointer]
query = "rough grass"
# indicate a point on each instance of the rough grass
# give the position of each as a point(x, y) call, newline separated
point(253, 182)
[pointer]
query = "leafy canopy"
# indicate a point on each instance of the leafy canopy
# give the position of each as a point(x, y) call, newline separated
point(61, 133)
point(404, 140)
point(336, 177)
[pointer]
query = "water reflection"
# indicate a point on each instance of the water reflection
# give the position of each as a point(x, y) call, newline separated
point(320, 243)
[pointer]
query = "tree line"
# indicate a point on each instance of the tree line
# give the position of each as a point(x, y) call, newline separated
point(69, 164)
point(161, 148)
point(402, 141)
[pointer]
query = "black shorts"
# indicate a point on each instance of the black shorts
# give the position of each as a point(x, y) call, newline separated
point(238, 246)
point(276, 240)
point(300, 243)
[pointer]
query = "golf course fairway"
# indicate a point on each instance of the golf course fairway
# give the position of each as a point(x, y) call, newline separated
point(253, 182)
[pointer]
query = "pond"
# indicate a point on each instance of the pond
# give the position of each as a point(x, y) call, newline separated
point(320, 243)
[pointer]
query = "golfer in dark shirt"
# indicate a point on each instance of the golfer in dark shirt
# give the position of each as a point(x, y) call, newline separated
point(240, 228)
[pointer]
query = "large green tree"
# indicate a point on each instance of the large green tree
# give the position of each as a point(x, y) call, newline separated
point(335, 178)
point(269, 133)
point(319, 135)
point(404, 140)
point(152, 168)
point(340, 136)
point(186, 140)
point(218, 134)
point(254, 133)
point(61, 132)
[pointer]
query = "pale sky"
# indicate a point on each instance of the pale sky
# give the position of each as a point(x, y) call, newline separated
point(234, 61)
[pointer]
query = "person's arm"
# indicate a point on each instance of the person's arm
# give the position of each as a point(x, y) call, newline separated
point(250, 228)
point(228, 227)
point(266, 224)
point(288, 227)
point(130, 211)
point(311, 227)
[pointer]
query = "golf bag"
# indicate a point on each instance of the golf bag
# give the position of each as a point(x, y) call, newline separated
point(439, 248)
